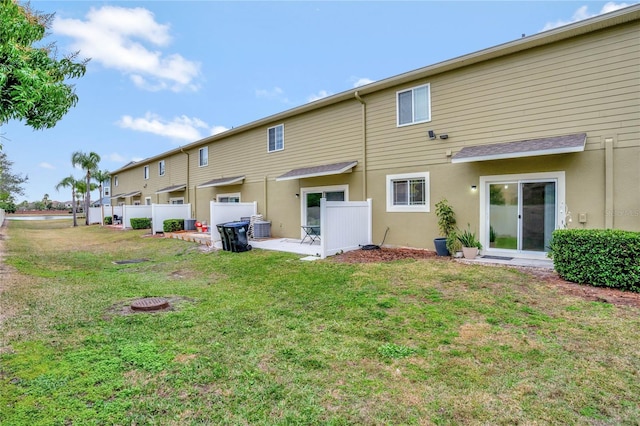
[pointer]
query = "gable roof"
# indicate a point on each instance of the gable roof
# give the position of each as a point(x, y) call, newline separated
point(600, 22)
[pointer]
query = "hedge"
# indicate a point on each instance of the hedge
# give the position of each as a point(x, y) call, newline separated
point(173, 225)
point(140, 223)
point(108, 220)
point(600, 257)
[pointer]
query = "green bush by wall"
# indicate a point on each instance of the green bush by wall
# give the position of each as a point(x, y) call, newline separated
point(600, 257)
point(173, 225)
point(141, 223)
point(108, 220)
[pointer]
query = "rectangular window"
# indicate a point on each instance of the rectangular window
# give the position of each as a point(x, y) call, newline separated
point(275, 136)
point(408, 192)
point(414, 105)
point(115, 181)
point(146, 172)
point(203, 156)
point(107, 191)
point(147, 201)
point(161, 168)
point(228, 198)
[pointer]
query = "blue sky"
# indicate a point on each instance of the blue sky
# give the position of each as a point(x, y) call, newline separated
point(167, 73)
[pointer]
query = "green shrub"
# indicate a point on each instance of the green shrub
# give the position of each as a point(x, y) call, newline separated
point(108, 220)
point(173, 225)
point(141, 223)
point(604, 258)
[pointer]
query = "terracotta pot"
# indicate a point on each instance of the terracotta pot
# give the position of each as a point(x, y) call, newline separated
point(470, 252)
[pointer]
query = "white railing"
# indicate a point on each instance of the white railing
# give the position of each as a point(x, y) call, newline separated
point(162, 212)
point(133, 212)
point(345, 226)
point(228, 212)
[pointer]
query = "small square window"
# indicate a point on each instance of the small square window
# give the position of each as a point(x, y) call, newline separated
point(408, 192)
point(203, 156)
point(275, 138)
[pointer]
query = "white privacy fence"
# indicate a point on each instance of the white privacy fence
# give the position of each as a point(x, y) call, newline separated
point(162, 212)
point(158, 213)
point(229, 212)
point(95, 213)
point(2, 215)
point(345, 226)
point(134, 212)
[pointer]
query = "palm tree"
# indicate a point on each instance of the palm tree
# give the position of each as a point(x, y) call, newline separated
point(89, 163)
point(101, 176)
point(70, 182)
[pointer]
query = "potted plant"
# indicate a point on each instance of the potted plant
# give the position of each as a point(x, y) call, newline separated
point(470, 244)
point(453, 244)
point(446, 224)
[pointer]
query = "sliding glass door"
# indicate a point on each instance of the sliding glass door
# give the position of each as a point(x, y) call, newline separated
point(522, 214)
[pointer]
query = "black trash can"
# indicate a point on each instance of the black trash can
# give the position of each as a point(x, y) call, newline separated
point(237, 234)
point(223, 237)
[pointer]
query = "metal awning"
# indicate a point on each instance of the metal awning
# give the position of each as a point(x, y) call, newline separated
point(174, 188)
point(315, 171)
point(222, 182)
point(125, 195)
point(525, 148)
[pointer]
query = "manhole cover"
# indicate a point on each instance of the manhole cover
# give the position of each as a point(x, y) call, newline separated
point(150, 304)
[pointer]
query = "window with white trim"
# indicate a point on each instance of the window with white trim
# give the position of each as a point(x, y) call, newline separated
point(146, 172)
point(115, 181)
point(414, 105)
point(408, 192)
point(275, 138)
point(179, 200)
point(203, 156)
point(161, 168)
point(228, 198)
point(147, 201)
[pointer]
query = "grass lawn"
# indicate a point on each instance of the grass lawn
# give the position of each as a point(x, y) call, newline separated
point(263, 338)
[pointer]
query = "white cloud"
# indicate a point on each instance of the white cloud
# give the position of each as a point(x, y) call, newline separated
point(316, 96)
point(218, 129)
point(181, 128)
point(127, 40)
point(46, 165)
point(361, 81)
point(583, 13)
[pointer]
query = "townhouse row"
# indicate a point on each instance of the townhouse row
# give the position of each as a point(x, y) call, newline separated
point(522, 138)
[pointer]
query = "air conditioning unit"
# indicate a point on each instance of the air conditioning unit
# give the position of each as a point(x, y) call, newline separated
point(261, 229)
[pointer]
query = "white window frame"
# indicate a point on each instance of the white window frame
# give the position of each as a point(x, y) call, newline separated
point(229, 195)
point(413, 105)
point(146, 172)
point(106, 191)
point(174, 200)
point(422, 208)
point(203, 156)
point(147, 201)
point(275, 146)
point(161, 168)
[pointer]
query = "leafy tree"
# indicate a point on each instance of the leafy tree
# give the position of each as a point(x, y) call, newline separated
point(32, 79)
point(89, 163)
point(70, 182)
point(10, 184)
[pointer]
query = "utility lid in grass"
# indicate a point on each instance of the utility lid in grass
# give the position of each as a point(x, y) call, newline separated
point(126, 262)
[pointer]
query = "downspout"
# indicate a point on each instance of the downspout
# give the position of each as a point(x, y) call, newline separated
point(187, 184)
point(364, 144)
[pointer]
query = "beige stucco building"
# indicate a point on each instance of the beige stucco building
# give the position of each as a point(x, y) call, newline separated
point(521, 138)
